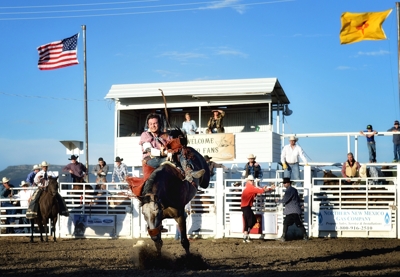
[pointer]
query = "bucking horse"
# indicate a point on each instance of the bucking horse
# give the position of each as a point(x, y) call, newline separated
point(169, 194)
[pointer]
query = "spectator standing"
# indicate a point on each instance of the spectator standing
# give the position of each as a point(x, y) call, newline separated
point(212, 166)
point(78, 170)
point(32, 174)
point(249, 193)
point(253, 168)
point(396, 141)
point(100, 171)
point(215, 123)
point(120, 171)
point(370, 143)
point(189, 125)
point(24, 196)
point(350, 168)
point(290, 160)
point(5, 195)
point(292, 212)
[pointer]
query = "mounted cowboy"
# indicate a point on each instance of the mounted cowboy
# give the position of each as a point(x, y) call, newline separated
point(158, 147)
point(41, 181)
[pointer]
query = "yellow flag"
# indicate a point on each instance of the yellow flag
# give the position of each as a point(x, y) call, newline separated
point(362, 26)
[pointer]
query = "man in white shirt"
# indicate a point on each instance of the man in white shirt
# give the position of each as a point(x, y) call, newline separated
point(24, 197)
point(290, 160)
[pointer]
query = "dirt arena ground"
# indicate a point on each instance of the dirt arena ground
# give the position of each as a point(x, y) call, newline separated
point(223, 257)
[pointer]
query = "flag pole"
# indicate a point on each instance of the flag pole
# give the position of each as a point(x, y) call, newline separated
point(85, 102)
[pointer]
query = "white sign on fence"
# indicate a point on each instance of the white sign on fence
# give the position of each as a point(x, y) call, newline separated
point(354, 220)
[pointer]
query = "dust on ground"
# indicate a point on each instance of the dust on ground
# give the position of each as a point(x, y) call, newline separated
point(210, 257)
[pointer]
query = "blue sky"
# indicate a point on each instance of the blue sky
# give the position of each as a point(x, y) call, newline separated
point(332, 87)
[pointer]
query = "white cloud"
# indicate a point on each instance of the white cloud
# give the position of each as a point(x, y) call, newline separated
point(343, 67)
point(183, 56)
point(373, 53)
point(226, 51)
point(234, 4)
point(166, 73)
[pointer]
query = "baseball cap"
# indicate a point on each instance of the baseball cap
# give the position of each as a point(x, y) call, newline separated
point(369, 127)
point(396, 122)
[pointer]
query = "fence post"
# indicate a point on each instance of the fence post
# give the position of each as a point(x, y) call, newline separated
point(136, 227)
point(219, 203)
point(396, 204)
point(307, 198)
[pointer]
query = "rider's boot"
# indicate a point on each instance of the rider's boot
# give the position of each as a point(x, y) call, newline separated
point(190, 174)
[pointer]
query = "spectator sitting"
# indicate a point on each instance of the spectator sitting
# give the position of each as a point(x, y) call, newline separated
point(5, 196)
point(253, 168)
point(212, 166)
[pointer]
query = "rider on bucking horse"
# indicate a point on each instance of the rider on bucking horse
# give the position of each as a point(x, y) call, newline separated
point(158, 147)
point(41, 181)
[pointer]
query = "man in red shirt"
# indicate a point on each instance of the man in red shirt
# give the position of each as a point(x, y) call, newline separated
point(249, 193)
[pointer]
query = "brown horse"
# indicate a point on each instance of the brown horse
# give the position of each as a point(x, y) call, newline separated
point(48, 209)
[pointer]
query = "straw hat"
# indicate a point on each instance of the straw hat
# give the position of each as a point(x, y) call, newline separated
point(44, 163)
point(251, 156)
point(250, 178)
point(5, 180)
point(35, 166)
point(293, 138)
point(24, 183)
point(363, 171)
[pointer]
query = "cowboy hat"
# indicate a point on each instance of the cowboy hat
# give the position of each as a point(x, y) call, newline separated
point(251, 156)
point(118, 159)
point(5, 180)
point(293, 138)
point(44, 163)
point(35, 166)
point(363, 171)
point(207, 157)
point(250, 178)
point(73, 157)
point(24, 183)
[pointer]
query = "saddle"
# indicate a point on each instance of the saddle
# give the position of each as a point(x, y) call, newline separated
point(136, 183)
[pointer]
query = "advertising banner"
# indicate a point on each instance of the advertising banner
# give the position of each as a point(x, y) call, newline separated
point(221, 146)
point(354, 220)
point(85, 225)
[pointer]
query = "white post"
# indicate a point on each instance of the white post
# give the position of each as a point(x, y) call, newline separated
point(396, 204)
point(307, 197)
point(135, 218)
point(219, 203)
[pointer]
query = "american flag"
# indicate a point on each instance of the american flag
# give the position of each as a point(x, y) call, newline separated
point(58, 54)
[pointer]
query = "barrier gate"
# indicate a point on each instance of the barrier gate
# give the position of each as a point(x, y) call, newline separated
point(366, 209)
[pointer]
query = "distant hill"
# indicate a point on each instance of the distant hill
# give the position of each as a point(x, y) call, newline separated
point(17, 173)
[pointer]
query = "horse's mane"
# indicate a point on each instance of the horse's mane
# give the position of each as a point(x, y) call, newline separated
point(178, 133)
